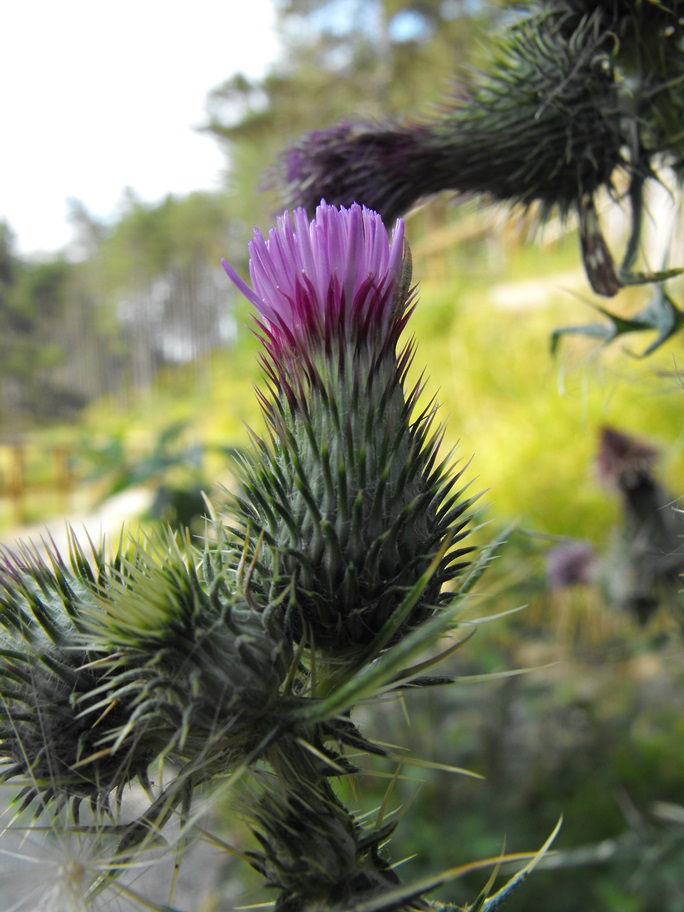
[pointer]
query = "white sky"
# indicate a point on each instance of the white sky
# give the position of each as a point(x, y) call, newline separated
point(97, 95)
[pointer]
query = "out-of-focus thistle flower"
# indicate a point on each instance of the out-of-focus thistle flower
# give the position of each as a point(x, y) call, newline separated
point(645, 558)
point(570, 564)
point(575, 93)
point(387, 167)
point(639, 572)
point(345, 507)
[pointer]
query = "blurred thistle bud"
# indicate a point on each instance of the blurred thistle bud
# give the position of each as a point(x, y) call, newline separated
point(314, 852)
point(52, 737)
point(345, 506)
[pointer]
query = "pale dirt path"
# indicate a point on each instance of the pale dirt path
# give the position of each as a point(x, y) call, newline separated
point(108, 519)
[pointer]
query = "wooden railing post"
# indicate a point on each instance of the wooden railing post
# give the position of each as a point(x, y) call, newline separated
point(17, 482)
point(64, 475)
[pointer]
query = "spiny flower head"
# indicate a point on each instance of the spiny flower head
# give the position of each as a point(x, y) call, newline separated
point(543, 125)
point(51, 735)
point(315, 852)
point(198, 665)
point(346, 505)
point(105, 666)
point(574, 94)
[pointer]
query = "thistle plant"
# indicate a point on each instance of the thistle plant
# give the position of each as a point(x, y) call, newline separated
point(578, 100)
point(237, 662)
point(347, 499)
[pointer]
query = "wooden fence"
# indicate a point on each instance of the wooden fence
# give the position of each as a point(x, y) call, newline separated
point(28, 471)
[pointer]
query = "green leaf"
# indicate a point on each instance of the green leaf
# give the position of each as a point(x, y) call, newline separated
point(660, 314)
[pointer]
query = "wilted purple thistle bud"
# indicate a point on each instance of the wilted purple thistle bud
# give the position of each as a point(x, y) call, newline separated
point(387, 167)
point(346, 499)
point(571, 564)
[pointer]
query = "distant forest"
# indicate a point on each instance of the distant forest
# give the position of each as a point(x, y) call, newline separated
point(128, 298)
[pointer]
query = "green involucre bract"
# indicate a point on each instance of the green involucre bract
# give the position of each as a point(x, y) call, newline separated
point(354, 504)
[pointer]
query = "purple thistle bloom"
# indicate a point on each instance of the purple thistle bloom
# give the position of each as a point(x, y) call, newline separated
point(336, 276)
point(346, 506)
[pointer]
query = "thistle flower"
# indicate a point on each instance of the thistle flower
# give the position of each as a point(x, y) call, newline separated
point(575, 93)
point(645, 557)
point(345, 505)
point(570, 564)
point(508, 134)
point(332, 282)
